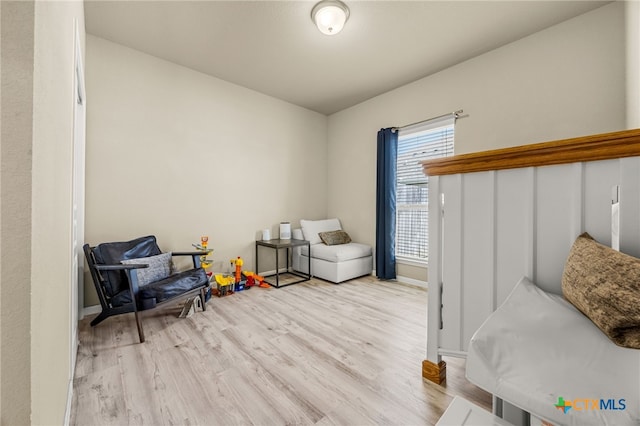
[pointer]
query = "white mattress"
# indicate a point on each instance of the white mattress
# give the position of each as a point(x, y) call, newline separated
point(537, 347)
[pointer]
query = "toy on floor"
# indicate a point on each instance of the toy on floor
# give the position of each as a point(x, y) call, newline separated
point(239, 282)
point(191, 306)
point(238, 264)
point(224, 284)
point(205, 262)
point(253, 278)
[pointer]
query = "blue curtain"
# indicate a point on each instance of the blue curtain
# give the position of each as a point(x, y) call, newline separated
point(386, 204)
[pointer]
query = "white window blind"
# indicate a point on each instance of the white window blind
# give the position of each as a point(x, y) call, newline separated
point(416, 143)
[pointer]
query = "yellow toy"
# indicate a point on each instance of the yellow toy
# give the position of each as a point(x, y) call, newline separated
point(238, 263)
point(224, 280)
point(225, 284)
point(205, 262)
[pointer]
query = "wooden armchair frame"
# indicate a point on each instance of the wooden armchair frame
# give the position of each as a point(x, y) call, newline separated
point(135, 305)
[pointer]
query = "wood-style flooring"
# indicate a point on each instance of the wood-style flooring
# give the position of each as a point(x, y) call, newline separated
point(313, 353)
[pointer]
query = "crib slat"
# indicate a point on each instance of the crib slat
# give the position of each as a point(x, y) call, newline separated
point(452, 257)
point(477, 274)
point(558, 213)
point(514, 230)
point(630, 206)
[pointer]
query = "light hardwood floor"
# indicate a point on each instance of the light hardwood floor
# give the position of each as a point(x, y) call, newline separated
point(310, 353)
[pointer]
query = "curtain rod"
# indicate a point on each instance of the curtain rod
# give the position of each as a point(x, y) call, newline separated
point(456, 114)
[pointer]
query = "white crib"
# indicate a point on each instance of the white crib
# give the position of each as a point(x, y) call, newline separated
point(498, 216)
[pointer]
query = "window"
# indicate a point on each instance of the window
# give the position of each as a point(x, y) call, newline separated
point(416, 143)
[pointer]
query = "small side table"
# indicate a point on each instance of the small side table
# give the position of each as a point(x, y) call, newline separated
point(278, 244)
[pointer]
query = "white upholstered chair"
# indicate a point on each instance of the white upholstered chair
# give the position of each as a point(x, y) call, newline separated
point(337, 261)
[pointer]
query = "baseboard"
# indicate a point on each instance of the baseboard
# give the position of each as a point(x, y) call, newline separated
point(74, 358)
point(91, 310)
point(273, 271)
point(412, 281)
point(407, 280)
point(67, 413)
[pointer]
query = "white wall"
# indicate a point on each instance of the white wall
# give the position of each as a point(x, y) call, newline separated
point(565, 81)
point(632, 13)
point(37, 111)
point(178, 154)
point(51, 246)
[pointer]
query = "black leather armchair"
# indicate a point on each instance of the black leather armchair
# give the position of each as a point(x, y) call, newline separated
point(115, 270)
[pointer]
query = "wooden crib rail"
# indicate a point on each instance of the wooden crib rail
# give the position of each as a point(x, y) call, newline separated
point(603, 146)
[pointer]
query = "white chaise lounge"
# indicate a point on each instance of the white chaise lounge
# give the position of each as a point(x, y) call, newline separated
point(335, 263)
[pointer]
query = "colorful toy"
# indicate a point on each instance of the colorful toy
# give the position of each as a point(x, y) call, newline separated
point(252, 278)
point(205, 262)
point(224, 284)
point(239, 282)
point(238, 264)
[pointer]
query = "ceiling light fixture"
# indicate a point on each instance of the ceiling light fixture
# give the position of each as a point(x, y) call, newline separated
point(330, 16)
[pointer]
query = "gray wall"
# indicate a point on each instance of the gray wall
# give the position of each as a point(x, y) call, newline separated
point(15, 193)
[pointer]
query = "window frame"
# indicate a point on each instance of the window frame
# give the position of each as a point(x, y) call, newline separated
point(446, 126)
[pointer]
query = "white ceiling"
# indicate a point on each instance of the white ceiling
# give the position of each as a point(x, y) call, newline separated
point(274, 48)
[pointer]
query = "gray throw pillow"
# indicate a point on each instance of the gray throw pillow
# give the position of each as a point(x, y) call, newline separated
point(159, 268)
point(332, 238)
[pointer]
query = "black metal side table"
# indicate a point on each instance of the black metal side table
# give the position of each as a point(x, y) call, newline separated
point(278, 244)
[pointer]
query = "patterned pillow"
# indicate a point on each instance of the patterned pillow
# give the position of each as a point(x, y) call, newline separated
point(159, 268)
point(332, 238)
point(605, 285)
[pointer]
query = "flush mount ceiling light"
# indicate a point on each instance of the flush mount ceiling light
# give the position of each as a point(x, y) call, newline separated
point(330, 16)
